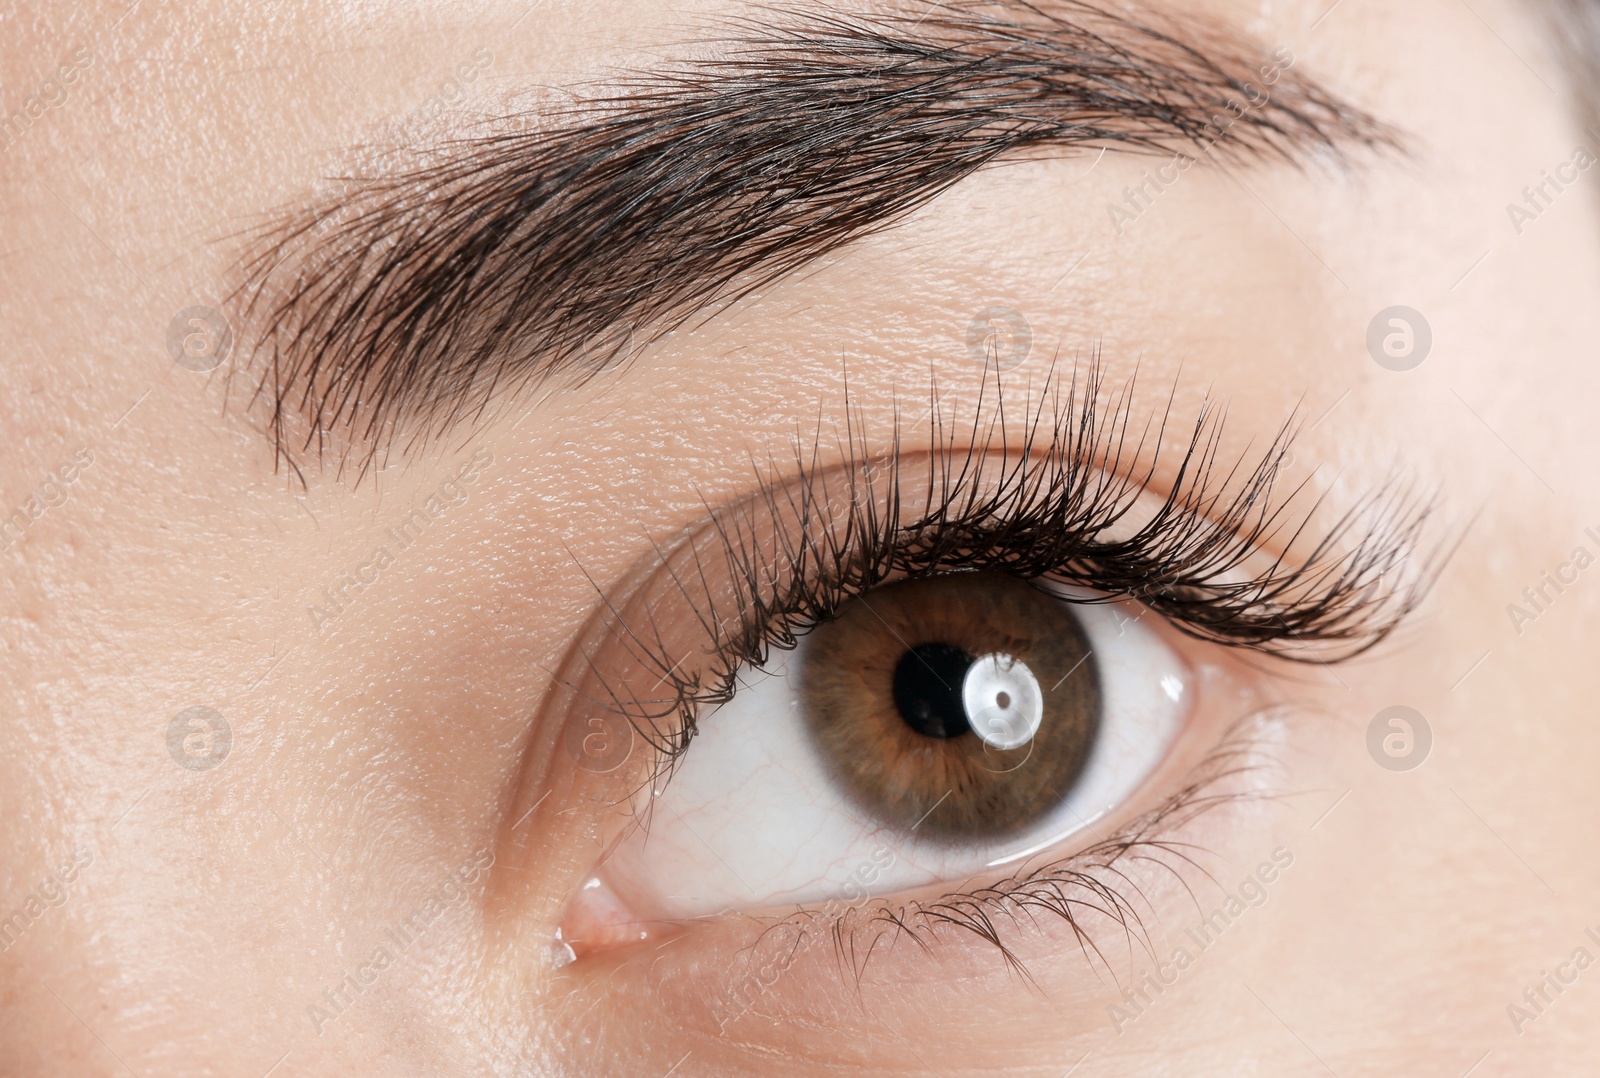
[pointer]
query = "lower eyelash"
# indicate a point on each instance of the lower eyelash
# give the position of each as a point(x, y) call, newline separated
point(1091, 881)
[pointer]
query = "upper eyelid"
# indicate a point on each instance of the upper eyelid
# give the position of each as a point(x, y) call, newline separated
point(757, 573)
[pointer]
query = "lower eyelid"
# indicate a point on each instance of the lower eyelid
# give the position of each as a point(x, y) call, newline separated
point(1075, 926)
point(1090, 896)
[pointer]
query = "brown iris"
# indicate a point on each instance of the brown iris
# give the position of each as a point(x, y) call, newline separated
point(882, 689)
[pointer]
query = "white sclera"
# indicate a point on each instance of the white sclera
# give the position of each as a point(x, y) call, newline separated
point(1003, 701)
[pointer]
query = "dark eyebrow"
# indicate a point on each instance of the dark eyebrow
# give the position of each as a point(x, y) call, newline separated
point(560, 245)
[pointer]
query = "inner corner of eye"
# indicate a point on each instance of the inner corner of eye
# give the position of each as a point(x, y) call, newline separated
point(936, 728)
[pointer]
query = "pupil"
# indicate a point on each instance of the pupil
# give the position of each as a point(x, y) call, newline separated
point(927, 689)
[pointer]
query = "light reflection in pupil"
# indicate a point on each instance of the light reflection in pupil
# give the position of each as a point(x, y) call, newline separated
point(1018, 709)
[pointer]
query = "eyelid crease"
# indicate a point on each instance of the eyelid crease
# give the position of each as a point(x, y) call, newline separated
point(785, 559)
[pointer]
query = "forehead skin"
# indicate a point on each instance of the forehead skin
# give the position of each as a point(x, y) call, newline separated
point(374, 754)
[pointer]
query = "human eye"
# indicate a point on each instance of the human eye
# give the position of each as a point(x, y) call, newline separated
point(937, 728)
point(929, 678)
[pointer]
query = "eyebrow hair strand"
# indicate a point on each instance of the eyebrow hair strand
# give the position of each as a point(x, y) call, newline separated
point(566, 244)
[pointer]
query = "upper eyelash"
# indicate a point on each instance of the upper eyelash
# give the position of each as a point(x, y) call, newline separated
point(797, 550)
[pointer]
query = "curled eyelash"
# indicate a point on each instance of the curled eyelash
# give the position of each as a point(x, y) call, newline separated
point(1053, 498)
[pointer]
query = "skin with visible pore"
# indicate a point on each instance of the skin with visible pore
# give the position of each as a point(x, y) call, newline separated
point(396, 687)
